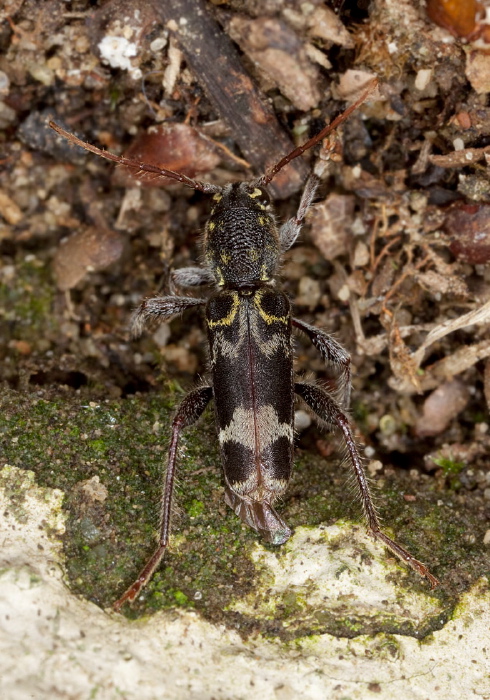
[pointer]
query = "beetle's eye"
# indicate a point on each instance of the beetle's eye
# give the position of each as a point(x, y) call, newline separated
point(261, 196)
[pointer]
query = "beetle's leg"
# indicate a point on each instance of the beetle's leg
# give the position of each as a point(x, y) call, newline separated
point(189, 411)
point(158, 309)
point(192, 277)
point(334, 355)
point(328, 410)
point(289, 231)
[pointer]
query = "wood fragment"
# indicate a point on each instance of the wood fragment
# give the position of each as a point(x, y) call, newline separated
point(477, 316)
point(445, 369)
point(215, 62)
point(459, 159)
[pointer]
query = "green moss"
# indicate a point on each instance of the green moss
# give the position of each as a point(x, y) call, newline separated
point(72, 437)
point(196, 508)
point(115, 96)
point(360, 412)
point(98, 446)
point(26, 301)
point(180, 598)
point(449, 466)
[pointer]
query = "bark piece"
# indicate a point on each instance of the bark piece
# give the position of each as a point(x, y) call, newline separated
point(214, 60)
point(278, 52)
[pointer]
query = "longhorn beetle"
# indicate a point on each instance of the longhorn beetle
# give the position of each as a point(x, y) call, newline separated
point(249, 327)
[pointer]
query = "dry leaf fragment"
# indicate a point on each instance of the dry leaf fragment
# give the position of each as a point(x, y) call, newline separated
point(331, 225)
point(457, 16)
point(85, 251)
point(441, 407)
point(468, 225)
point(177, 147)
point(277, 51)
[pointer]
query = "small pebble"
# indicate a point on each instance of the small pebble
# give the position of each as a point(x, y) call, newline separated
point(423, 78)
point(4, 84)
point(302, 421)
point(374, 466)
point(441, 407)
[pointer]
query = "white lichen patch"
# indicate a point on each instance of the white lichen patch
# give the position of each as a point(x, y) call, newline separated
point(334, 573)
point(57, 646)
point(118, 51)
point(32, 520)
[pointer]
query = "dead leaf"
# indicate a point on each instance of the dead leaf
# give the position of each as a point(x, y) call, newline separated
point(85, 251)
point(331, 225)
point(177, 147)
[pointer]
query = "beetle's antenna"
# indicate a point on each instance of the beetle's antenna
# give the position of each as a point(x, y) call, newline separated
point(272, 171)
point(139, 167)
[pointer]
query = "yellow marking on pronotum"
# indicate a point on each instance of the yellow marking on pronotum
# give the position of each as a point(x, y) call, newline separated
point(262, 220)
point(217, 197)
point(264, 275)
point(268, 318)
point(257, 193)
point(228, 320)
point(211, 225)
point(219, 275)
point(225, 258)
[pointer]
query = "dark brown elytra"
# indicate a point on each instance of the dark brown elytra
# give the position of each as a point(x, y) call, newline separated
point(249, 325)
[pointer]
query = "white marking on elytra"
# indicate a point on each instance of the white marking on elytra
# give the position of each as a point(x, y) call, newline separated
point(249, 427)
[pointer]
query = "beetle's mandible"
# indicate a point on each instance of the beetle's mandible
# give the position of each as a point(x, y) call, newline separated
point(249, 327)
